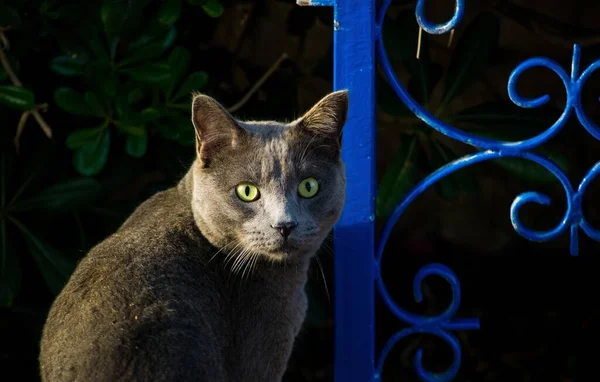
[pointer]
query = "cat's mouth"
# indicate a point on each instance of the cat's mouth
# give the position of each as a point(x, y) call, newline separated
point(282, 251)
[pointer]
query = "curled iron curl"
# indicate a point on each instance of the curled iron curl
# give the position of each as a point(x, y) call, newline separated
point(423, 374)
point(589, 230)
point(443, 319)
point(433, 28)
point(585, 121)
point(539, 198)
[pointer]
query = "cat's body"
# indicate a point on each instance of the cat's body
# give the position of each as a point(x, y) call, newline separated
point(195, 286)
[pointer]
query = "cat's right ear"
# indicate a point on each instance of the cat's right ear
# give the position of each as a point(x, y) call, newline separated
point(215, 128)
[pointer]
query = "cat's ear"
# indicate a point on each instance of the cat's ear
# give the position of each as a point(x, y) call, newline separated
point(326, 119)
point(215, 128)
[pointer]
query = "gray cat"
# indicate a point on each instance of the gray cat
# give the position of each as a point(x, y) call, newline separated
point(205, 281)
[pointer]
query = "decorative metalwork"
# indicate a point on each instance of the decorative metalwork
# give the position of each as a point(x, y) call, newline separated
point(358, 33)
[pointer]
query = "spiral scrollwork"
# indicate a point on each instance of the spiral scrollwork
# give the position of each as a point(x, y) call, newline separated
point(490, 149)
point(434, 325)
point(432, 28)
point(574, 83)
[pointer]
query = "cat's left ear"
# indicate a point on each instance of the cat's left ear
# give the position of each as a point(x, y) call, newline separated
point(327, 118)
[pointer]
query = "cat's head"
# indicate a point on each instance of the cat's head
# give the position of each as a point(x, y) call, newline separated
point(268, 188)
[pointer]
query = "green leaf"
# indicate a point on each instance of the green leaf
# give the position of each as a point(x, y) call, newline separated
point(16, 97)
point(195, 2)
point(90, 159)
point(137, 145)
point(150, 73)
point(506, 115)
point(177, 127)
point(94, 103)
point(63, 196)
point(56, 268)
point(398, 179)
point(97, 46)
point(149, 115)
point(101, 77)
point(68, 66)
point(127, 94)
point(132, 129)
point(168, 132)
point(10, 271)
point(471, 56)
point(460, 181)
point(194, 82)
point(169, 12)
point(135, 95)
point(72, 102)
point(113, 15)
point(213, 8)
point(9, 16)
point(83, 137)
point(179, 61)
point(149, 47)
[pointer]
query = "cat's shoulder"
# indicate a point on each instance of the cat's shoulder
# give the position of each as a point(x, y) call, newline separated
point(160, 222)
point(166, 206)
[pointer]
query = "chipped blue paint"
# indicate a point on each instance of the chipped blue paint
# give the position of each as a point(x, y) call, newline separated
point(357, 37)
point(316, 3)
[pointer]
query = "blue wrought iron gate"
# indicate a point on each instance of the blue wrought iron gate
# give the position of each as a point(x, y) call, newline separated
point(357, 44)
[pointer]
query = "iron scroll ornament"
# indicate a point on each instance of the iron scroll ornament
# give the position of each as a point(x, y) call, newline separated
point(573, 219)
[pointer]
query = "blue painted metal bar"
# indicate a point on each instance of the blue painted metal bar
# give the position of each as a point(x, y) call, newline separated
point(354, 69)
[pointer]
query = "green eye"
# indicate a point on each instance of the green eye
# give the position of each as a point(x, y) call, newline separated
point(247, 192)
point(308, 188)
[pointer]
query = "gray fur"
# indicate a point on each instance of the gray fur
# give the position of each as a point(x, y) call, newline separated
point(197, 285)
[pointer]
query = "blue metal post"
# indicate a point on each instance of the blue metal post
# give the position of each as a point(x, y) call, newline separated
point(354, 234)
point(354, 69)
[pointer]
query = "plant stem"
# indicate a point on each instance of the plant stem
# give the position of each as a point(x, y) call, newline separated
point(15, 80)
point(20, 128)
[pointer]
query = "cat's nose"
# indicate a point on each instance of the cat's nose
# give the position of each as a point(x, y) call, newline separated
point(285, 228)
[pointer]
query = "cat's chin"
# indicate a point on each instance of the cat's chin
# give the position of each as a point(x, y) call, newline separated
point(285, 252)
point(282, 253)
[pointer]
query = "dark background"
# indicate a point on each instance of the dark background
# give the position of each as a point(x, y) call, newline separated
point(111, 82)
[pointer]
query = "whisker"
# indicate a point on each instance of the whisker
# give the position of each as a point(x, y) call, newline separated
point(324, 280)
point(328, 248)
point(238, 257)
point(232, 254)
point(238, 261)
point(254, 264)
point(222, 248)
point(247, 265)
point(244, 258)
